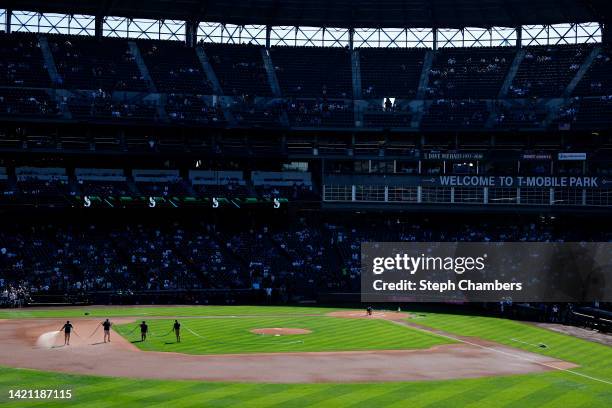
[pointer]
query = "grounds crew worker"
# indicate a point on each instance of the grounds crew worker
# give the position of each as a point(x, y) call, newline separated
point(143, 331)
point(177, 330)
point(107, 325)
point(67, 328)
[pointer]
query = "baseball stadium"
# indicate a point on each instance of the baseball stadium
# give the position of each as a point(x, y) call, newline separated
point(398, 203)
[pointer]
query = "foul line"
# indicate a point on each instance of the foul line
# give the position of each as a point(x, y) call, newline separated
point(540, 345)
point(188, 329)
point(503, 352)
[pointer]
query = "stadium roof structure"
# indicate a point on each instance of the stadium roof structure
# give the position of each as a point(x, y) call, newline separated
point(339, 13)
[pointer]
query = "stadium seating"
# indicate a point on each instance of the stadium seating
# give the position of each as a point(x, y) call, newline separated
point(89, 63)
point(519, 116)
point(380, 64)
point(320, 113)
point(546, 70)
point(174, 67)
point(308, 253)
point(22, 61)
point(469, 72)
point(591, 112)
point(27, 102)
point(460, 114)
point(382, 119)
point(598, 78)
point(193, 109)
point(239, 68)
point(100, 105)
point(104, 80)
point(248, 112)
point(313, 72)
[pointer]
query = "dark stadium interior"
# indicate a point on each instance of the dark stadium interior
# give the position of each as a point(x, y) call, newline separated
point(212, 168)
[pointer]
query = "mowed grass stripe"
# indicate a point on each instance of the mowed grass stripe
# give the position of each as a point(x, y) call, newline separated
point(513, 388)
point(392, 394)
point(227, 336)
point(435, 392)
point(360, 395)
point(317, 397)
point(242, 392)
point(274, 395)
point(185, 398)
point(459, 399)
point(106, 390)
point(95, 399)
point(36, 380)
point(153, 396)
point(287, 394)
point(207, 392)
point(543, 393)
point(86, 395)
point(539, 397)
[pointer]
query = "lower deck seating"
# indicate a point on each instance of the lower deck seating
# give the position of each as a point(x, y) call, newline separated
point(27, 102)
point(462, 114)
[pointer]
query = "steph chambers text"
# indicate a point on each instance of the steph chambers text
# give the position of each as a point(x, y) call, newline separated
point(424, 285)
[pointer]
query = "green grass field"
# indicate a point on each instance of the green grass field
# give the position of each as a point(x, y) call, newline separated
point(553, 389)
point(232, 335)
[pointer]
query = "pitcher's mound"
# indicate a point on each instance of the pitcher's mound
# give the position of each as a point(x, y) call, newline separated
point(280, 331)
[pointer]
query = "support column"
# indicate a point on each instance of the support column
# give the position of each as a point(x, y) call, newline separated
point(356, 74)
point(351, 37)
point(516, 63)
point(584, 67)
point(434, 31)
point(49, 60)
point(99, 27)
point(424, 77)
point(142, 67)
point(270, 72)
point(208, 70)
point(519, 37)
point(191, 33)
point(268, 32)
point(606, 33)
point(551, 196)
point(7, 20)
